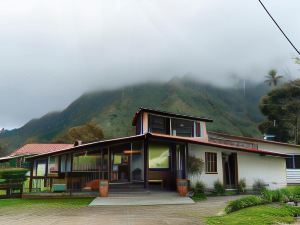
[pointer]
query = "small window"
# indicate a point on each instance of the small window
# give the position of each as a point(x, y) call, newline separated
point(290, 163)
point(198, 129)
point(210, 162)
point(293, 162)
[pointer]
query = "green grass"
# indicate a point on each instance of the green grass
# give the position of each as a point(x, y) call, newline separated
point(58, 203)
point(258, 215)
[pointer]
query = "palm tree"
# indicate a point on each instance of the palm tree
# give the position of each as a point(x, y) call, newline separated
point(273, 78)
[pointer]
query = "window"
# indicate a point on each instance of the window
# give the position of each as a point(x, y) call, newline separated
point(158, 124)
point(158, 156)
point(210, 162)
point(40, 169)
point(86, 162)
point(199, 129)
point(293, 162)
point(139, 125)
point(65, 163)
point(53, 165)
point(184, 128)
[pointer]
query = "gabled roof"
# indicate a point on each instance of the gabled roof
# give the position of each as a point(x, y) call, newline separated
point(93, 144)
point(36, 149)
point(168, 114)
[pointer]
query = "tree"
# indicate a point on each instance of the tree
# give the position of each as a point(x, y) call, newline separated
point(273, 78)
point(85, 133)
point(282, 108)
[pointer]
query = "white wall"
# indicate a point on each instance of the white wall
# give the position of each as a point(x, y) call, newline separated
point(199, 152)
point(251, 166)
point(272, 170)
point(278, 148)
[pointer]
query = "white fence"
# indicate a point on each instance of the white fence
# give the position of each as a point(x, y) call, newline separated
point(293, 176)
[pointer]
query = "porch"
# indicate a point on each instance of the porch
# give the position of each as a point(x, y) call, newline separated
point(130, 165)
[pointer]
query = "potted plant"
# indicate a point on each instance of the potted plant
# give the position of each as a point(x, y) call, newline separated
point(103, 188)
point(182, 187)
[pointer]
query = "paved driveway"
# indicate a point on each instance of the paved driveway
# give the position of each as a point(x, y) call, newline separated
point(110, 215)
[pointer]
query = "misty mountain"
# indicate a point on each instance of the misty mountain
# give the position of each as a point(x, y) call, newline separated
point(233, 110)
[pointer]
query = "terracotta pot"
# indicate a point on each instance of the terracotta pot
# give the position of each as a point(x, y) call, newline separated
point(103, 188)
point(182, 187)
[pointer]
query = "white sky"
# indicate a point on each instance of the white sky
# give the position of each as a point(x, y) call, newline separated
point(51, 51)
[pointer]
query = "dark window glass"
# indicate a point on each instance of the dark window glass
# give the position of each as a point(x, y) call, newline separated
point(297, 161)
point(157, 124)
point(289, 163)
point(198, 130)
point(139, 125)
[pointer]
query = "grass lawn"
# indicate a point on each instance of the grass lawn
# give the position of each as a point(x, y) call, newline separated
point(58, 203)
point(258, 215)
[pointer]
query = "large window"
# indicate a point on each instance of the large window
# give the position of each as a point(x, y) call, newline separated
point(184, 128)
point(158, 124)
point(40, 168)
point(293, 162)
point(86, 162)
point(210, 162)
point(158, 156)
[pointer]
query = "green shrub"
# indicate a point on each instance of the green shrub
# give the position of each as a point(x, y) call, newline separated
point(241, 188)
point(244, 203)
point(199, 187)
point(281, 195)
point(199, 197)
point(272, 195)
point(219, 188)
point(259, 185)
point(13, 174)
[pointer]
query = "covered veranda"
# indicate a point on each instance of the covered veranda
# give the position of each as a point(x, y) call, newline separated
point(135, 163)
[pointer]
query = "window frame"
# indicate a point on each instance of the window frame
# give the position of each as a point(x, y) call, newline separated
point(211, 162)
point(293, 162)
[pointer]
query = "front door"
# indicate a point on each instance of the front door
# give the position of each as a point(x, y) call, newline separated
point(120, 168)
point(230, 170)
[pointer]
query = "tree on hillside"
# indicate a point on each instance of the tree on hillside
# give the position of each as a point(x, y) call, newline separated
point(85, 133)
point(272, 79)
point(282, 108)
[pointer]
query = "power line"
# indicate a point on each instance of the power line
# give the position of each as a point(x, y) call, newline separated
point(279, 27)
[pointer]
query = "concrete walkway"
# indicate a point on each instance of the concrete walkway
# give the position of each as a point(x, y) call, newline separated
point(190, 214)
point(153, 198)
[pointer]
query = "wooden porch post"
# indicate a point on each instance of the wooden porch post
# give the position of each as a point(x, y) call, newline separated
point(109, 164)
point(71, 173)
point(186, 154)
point(31, 176)
point(146, 163)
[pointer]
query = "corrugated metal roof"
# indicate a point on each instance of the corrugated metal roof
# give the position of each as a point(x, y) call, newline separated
point(230, 147)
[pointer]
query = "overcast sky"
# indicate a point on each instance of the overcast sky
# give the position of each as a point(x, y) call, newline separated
point(52, 51)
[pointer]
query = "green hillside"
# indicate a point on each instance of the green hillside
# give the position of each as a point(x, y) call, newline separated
point(113, 110)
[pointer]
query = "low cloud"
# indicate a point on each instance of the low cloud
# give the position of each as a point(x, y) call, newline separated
point(53, 51)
